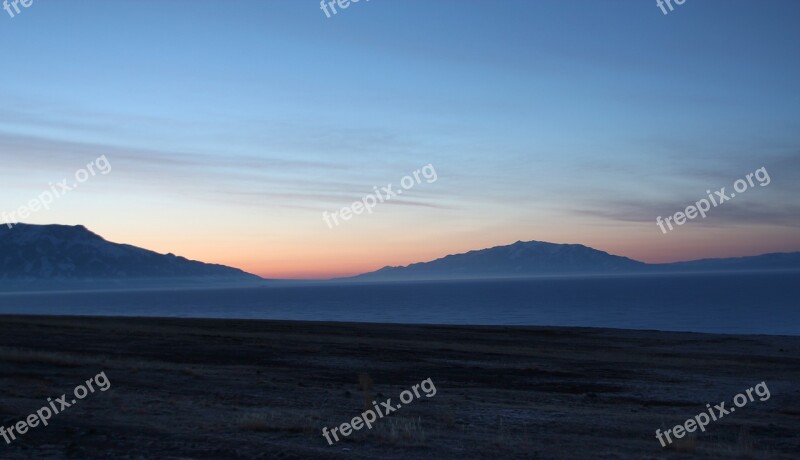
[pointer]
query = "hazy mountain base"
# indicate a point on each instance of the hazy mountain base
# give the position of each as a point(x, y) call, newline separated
point(128, 284)
point(263, 389)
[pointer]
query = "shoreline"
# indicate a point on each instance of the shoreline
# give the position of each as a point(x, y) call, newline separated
point(298, 322)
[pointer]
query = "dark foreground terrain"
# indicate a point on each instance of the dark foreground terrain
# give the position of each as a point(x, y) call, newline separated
point(187, 388)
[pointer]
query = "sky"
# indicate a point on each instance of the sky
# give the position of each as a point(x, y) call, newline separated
point(231, 127)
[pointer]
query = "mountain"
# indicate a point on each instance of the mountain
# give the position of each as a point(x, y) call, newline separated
point(773, 261)
point(536, 258)
point(61, 253)
point(516, 260)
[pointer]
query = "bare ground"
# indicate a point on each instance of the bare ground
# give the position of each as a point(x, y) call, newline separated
point(189, 388)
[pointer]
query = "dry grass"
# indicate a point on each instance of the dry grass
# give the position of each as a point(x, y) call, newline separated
point(399, 431)
point(25, 356)
point(365, 382)
point(280, 420)
point(509, 440)
point(745, 446)
point(687, 443)
point(61, 359)
point(740, 448)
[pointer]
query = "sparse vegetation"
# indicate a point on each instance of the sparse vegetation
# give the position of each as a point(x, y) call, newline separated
point(401, 431)
point(687, 443)
point(19, 355)
point(247, 389)
point(745, 445)
point(365, 382)
point(280, 420)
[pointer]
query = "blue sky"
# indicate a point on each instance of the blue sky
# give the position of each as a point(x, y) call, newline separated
point(232, 126)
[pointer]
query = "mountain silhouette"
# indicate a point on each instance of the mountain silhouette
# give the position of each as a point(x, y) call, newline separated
point(73, 253)
point(54, 255)
point(536, 258)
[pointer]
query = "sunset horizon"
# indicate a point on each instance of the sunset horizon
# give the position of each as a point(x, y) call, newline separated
point(250, 168)
point(399, 229)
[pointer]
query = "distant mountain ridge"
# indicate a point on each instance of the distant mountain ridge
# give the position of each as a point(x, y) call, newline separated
point(54, 256)
point(771, 261)
point(73, 253)
point(537, 258)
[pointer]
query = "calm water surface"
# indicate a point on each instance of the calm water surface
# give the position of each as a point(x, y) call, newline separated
point(730, 303)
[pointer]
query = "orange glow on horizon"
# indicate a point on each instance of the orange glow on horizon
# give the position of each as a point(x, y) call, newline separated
point(290, 256)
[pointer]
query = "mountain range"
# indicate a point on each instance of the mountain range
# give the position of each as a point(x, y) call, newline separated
point(64, 255)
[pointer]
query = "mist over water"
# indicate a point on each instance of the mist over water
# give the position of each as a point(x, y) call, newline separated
point(753, 303)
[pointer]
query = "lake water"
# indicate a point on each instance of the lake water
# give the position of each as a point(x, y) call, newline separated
point(723, 303)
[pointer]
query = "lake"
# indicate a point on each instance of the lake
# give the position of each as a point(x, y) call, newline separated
point(752, 303)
